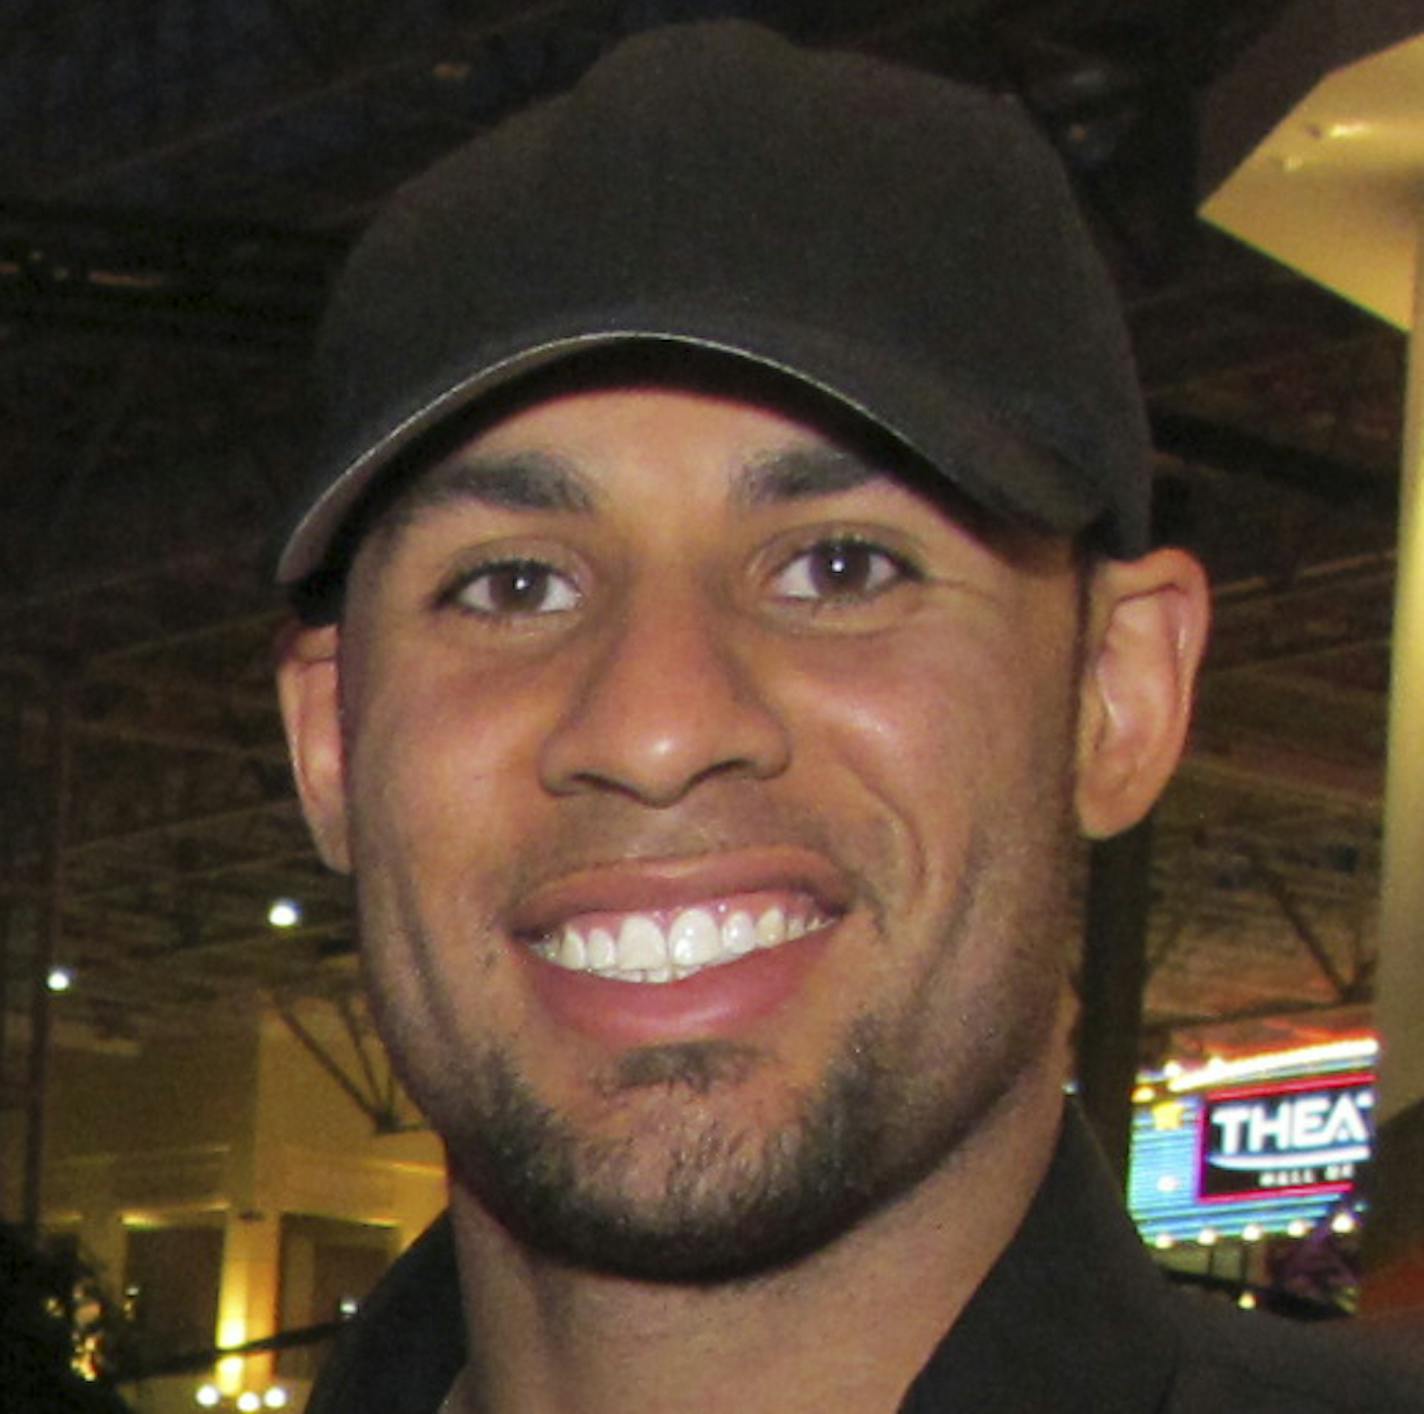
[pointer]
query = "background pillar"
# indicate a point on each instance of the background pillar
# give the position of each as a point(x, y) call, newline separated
point(1395, 1232)
point(1113, 977)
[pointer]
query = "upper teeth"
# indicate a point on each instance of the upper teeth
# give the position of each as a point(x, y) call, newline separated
point(643, 950)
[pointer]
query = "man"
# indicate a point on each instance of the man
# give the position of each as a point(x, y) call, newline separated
point(726, 604)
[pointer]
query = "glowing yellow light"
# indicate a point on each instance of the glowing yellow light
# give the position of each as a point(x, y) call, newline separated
point(1343, 1223)
point(232, 1330)
point(1167, 1115)
point(1361, 1049)
point(1297, 1227)
point(1207, 1237)
point(1143, 1095)
point(208, 1396)
point(60, 979)
point(275, 1398)
point(1164, 1241)
point(1247, 1301)
point(1252, 1232)
point(249, 1402)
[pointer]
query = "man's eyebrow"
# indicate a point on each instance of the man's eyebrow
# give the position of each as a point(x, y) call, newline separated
point(798, 473)
point(526, 481)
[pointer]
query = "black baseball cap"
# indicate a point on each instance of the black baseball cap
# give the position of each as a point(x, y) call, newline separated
point(904, 244)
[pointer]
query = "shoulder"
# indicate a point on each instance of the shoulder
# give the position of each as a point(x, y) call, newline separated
point(1253, 1362)
point(407, 1343)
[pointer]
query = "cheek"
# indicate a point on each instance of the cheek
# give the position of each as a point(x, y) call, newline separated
point(930, 728)
point(434, 750)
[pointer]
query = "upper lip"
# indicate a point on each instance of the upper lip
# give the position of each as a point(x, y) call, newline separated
point(679, 881)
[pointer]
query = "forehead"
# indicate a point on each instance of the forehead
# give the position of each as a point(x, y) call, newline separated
point(589, 450)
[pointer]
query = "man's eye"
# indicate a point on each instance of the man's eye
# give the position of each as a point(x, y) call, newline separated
point(515, 587)
point(840, 569)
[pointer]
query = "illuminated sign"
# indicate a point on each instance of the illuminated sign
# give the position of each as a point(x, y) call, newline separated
point(1298, 1136)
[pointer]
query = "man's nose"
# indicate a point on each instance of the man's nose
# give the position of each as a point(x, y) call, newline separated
point(666, 703)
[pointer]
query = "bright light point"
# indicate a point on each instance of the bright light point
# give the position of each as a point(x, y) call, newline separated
point(347, 1307)
point(1172, 1069)
point(60, 979)
point(275, 1398)
point(1143, 1095)
point(248, 1402)
point(208, 1396)
point(1163, 1242)
point(1297, 1228)
point(1207, 1237)
point(1168, 1183)
point(1342, 1223)
point(1252, 1232)
point(1247, 1301)
point(284, 913)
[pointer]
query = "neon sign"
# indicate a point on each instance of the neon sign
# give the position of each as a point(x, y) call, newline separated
point(1292, 1137)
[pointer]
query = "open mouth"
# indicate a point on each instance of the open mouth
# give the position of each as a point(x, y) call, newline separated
point(671, 945)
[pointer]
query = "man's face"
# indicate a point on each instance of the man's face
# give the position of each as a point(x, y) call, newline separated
point(707, 793)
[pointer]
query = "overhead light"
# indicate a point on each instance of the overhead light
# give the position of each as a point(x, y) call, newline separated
point(208, 1396)
point(60, 979)
point(284, 913)
point(276, 1398)
point(249, 1402)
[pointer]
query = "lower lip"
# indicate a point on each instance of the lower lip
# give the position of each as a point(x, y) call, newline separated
point(716, 1002)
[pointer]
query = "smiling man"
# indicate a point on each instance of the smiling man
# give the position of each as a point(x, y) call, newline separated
point(725, 607)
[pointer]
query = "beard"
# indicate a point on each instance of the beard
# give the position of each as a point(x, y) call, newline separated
point(694, 1190)
point(732, 1203)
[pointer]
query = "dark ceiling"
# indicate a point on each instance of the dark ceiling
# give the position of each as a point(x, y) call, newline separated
point(178, 180)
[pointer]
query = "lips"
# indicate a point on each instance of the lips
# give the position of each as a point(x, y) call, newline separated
point(649, 949)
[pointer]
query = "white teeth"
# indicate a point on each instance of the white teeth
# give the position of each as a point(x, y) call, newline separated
point(694, 938)
point(602, 950)
point(641, 944)
point(641, 952)
point(739, 934)
point(771, 928)
point(572, 953)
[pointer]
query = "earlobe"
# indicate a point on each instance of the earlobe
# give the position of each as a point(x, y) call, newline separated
point(309, 688)
point(1145, 636)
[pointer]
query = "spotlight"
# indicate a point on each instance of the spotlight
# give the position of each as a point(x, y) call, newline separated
point(284, 913)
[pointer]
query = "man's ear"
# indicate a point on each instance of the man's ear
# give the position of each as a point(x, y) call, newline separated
point(309, 688)
point(1146, 630)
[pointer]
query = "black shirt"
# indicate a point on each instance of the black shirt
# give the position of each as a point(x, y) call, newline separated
point(1073, 1318)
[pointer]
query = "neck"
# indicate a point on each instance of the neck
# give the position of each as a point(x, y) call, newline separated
point(810, 1337)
